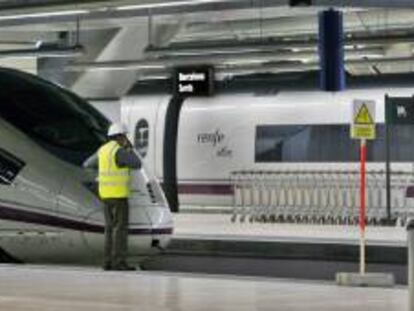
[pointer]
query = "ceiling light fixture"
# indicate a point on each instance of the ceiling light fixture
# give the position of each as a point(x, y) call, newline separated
point(114, 65)
point(43, 14)
point(164, 5)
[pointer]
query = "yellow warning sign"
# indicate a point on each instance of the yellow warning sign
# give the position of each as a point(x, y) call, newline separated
point(363, 119)
point(363, 116)
point(360, 131)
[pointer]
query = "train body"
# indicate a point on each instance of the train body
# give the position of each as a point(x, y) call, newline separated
point(49, 209)
point(297, 130)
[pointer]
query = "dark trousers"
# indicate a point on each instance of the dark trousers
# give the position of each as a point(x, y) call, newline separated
point(116, 232)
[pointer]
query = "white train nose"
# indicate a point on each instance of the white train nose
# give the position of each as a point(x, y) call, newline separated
point(150, 216)
point(149, 207)
point(152, 224)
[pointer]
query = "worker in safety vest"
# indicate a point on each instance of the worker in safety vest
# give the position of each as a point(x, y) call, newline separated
point(114, 161)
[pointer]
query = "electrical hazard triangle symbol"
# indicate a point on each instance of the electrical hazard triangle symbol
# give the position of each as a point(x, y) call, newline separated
point(363, 116)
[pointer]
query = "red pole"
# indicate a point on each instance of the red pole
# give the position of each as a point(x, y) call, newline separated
point(362, 190)
point(362, 207)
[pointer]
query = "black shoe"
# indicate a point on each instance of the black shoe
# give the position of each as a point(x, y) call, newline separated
point(124, 267)
point(107, 267)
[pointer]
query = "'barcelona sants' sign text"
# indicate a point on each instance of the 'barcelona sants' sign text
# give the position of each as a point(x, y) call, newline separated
point(194, 81)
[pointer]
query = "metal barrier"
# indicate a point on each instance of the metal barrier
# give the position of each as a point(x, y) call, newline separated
point(325, 197)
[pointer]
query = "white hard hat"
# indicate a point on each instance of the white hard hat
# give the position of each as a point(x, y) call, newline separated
point(116, 129)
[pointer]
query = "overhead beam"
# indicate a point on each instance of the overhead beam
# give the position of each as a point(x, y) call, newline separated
point(223, 71)
point(270, 44)
point(56, 51)
point(162, 65)
point(100, 9)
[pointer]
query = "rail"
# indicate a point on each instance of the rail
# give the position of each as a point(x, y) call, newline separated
point(323, 197)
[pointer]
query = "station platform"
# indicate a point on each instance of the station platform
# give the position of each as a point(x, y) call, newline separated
point(211, 244)
point(47, 288)
point(219, 226)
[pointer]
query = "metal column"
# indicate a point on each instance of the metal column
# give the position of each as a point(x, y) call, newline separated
point(410, 240)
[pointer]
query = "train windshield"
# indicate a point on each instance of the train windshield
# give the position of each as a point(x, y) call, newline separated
point(58, 120)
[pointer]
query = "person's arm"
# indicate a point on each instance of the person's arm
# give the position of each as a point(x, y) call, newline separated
point(91, 162)
point(127, 158)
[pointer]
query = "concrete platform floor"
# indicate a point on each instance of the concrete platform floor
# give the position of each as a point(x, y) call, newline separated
point(47, 288)
point(219, 226)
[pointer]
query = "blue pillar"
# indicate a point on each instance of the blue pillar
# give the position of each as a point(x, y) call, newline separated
point(331, 51)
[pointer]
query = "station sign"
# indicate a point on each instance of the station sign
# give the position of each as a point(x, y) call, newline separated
point(194, 81)
point(399, 110)
point(363, 119)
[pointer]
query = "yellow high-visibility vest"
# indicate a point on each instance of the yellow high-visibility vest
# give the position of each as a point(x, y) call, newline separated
point(113, 180)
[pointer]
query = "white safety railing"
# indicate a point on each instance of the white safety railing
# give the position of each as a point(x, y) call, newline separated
point(325, 197)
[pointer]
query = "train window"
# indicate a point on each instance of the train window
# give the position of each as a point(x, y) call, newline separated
point(275, 144)
point(56, 119)
point(141, 139)
point(328, 143)
point(10, 166)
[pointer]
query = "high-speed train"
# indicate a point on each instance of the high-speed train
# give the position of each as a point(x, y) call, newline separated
point(49, 210)
point(194, 143)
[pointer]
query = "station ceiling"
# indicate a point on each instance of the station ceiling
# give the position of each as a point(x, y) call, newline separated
point(123, 41)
